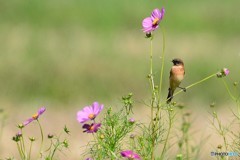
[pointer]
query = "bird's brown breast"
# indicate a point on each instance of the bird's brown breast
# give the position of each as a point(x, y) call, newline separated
point(176, 75)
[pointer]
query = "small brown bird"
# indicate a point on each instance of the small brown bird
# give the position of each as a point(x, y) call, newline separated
point(177, 73)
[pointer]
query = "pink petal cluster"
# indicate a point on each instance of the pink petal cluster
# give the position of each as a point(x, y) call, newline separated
point(224, 72)
point(90, 113)
point(91, 128)
point(151, 23)
point(35, 116)
point(130, 154)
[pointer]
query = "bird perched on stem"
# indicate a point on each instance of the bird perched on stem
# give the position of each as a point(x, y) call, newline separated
point(177, 73)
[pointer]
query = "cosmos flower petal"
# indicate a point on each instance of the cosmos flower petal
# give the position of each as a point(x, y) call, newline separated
point(151, 23)
point(130, 154)
point(91, 128)
point(156, 14)
point(162, 13)
point(82, 116)
point(225, 71)
point(41, 111)
point(35, 116)
point(95, 107)
point(27, 121)
point(89, 112)
point(147, 24)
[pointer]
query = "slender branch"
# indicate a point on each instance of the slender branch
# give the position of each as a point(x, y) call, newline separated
point(41, 137)
point(228, 90)
point(168, 133)
point(30, 150)
point(162, 67)
point(194, 84)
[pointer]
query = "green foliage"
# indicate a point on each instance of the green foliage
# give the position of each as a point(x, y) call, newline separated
point(111, 138)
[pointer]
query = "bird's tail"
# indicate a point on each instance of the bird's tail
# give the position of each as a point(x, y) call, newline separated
point(170, 95)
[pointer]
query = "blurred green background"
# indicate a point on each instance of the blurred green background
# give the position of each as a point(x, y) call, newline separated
point(79, 51)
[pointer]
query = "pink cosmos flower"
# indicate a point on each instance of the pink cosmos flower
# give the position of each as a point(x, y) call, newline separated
point(149, 24)
point(131, 120)
point(91, 128)
point(89, 112)
point(224, 72)
point(35, 116)
point(130, 155)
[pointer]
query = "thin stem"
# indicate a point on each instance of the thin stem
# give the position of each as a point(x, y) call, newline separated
point(30, 150)
point(194, 84)
point(228, 90)
point(153, 99)
point(151, 79)
point(162, 67)
point(161, 77)
point(55, 148)
point(23, 151)
point(20, 151)
point(168, 133)
point(222, 132)
point(49, 148)
point(151, 57)
point(40, 151)
point(22, 138)
point(238, 108)
point(186, 143)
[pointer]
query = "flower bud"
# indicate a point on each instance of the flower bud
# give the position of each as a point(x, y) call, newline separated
point(235, 84)
point(32, 139)
point(50, 136)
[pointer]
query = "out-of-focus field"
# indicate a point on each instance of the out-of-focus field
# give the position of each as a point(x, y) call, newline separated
point(66, 54)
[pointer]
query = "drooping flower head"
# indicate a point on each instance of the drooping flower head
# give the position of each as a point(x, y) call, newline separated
point(130, 155)
point(151, 23)
point(17, 137)
point(89, 112)
point(35, 116)
point(224, 72)
point(91, 128)
point(131, 120)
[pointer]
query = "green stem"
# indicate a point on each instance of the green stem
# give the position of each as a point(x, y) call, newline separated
point(23, 143)
point(20, 151)
point(40, 151)
point(23, 151)
point(222, 132)
point(228, 90)
point(194, 84)
point(30, 150)
point(55, 148)
point(151, 79)
point(168, 133)
point(49, 148)
point(186, 143)
point(238, 109)
point(162, 67)
point(153, 99)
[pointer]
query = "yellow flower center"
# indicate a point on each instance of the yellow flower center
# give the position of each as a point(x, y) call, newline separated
point(91, 128)
point(91, 116)
point(155, 21)
point(35, 116)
